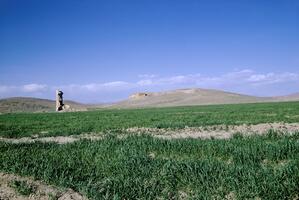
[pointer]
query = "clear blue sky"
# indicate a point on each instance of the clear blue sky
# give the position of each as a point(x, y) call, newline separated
point(99, 51)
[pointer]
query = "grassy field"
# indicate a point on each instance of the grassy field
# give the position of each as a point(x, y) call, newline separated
point(51, 124)
point(142, 167)
point(145, 167)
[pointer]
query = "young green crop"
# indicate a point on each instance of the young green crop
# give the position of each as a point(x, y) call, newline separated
point(143, 167)
point(50, 124)
point(23, 187)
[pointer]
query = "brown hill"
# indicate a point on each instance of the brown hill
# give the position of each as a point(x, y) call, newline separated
point(184, 97)
point(181, 97)
point(292, 97)
point(28, 104)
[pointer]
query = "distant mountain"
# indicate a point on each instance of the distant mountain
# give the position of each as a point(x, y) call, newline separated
point(292, 97)
point(28, 104)
point(184, 97)
point(181, 97)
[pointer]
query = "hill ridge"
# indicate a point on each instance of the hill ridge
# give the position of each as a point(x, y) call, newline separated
point(169, 98)
point(187, 96)
point(32, 104)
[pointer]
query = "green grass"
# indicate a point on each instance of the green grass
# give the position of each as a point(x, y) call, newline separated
point(23, 187)
point(143, 167)
point(50, 124)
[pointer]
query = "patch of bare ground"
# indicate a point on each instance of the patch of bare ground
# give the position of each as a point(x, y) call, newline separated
point(217, 131)
point(55, 139)
point(41, 190)
point(204, 132)
point(230, 196)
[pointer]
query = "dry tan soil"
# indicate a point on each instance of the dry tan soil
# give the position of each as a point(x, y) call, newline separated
point(205, 132)
point(218, 131)
point(41, 190)
point(55, 139)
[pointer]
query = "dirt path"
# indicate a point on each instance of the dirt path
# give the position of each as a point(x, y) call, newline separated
point(204, 132)
point(38, 190)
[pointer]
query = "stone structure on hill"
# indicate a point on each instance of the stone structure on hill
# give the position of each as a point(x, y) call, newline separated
point(59, 100)
point(139, 95)
point(60, 106)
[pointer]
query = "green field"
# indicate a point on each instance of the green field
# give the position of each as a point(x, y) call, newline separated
point(52, 124)
point(141, 167)
point(145, 167)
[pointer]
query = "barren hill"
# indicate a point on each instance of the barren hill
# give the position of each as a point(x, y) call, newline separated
point(180, 97)
point(292, 97)
point(28, 104)
point(183, 97)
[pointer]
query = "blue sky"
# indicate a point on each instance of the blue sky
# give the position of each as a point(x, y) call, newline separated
point(101, 51)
